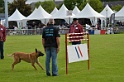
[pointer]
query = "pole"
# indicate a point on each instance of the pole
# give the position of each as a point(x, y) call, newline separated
point(66, 54)
point(6, 13)
point(106, 18)
point(88, 50)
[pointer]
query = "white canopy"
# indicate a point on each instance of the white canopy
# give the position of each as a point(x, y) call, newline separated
point(55, 10)
point(32, 14)
point(76, 10)
point(107, 11)
point(38, 14)
point(62, 13)
point(88, 12)
point(16, 16)
point(120, 14)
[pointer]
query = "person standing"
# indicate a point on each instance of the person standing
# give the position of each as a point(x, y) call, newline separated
point(76, 28)
point(2, 39)
point(51, 44)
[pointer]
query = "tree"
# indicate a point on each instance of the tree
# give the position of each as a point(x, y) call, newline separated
point(24, 9)
point(70, 4)
point(95, 4)
point(1, 6)
point(47, 5)
point(117, 7)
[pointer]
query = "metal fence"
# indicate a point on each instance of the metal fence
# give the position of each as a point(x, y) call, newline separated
point(37, 31)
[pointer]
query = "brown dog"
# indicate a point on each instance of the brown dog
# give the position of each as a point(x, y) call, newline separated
point(30, 58)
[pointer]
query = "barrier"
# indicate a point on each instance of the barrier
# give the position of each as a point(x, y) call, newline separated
point(32, 31)
point(24, 31)
point(39, 31)
point(102, 31)
point(96, 31)
point(78, 52)
point(91, 31)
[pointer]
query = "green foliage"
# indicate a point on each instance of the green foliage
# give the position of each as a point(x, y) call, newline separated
point(24, 9)
point(1, 3)
point(117, 7)
point(106, 61)
point(70, 4)
point(38, 4)
point(47, 5)
point(1, 6)
point(59, 6)
point(95, 4)
point(82, 5)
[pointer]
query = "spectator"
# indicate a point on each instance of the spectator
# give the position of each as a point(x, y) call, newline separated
point(76, 28)
point(2, 39)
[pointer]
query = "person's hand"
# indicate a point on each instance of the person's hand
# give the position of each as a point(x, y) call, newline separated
point(58, 50)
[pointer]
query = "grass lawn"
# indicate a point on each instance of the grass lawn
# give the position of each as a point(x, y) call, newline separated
point(106, 61)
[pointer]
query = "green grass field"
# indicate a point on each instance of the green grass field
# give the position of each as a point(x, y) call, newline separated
point(106, 61)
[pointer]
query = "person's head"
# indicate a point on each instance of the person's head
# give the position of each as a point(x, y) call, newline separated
point(75, 20)
point(51, 21)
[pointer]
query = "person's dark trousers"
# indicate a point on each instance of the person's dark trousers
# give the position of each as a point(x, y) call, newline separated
point(1, 49)
point(74, 43)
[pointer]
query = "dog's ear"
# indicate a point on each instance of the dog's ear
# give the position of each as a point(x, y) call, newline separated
point(35, 50)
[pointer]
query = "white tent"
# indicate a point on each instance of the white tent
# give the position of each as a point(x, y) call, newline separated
point(107, 11)
point(39, 14)
point(55, 10)
point(16, 16)
point(120, 14)
point(63, 13)
point(32, 14)
point(76, 10)
point(88, 12)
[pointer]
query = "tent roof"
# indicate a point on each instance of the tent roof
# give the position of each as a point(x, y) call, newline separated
point(107, 11)
point(62, 13)
point(55, 10)
point(16, 16)
point(120, 14)
point(38, 14)
point(88, 12)
point(75, 10)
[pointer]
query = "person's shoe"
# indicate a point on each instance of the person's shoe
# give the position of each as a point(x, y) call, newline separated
point(2, 58)
point(48, 74)
point(54, 75)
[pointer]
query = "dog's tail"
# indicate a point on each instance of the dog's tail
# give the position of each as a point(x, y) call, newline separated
point(10, 55)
